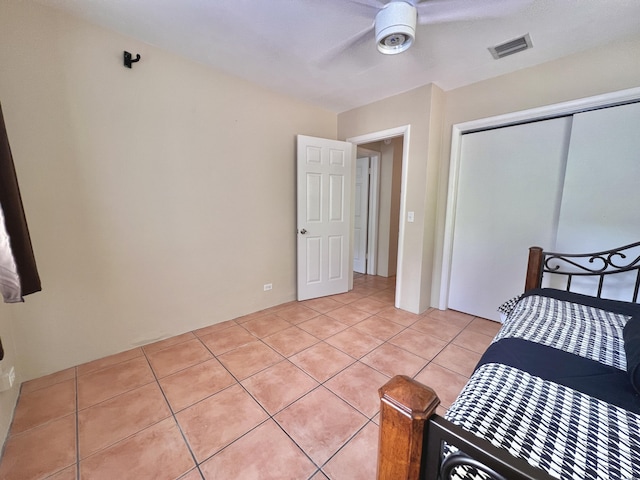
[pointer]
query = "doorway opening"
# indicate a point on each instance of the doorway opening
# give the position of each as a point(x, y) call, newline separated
point(380, 182)
point(366, 207)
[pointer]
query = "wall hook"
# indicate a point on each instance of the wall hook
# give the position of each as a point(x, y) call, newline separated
point(128, 60)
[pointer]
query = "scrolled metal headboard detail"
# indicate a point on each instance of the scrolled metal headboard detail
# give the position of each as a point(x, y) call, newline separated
point(596, 264)
point(605, 261)
point(464, 461)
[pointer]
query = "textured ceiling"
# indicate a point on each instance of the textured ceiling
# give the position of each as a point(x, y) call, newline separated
point(318, 51)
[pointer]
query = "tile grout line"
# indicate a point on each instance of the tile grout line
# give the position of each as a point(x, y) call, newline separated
point(272, 417)
point(269, 416)
point(343, 446)
point(77, 424)
point(239, 383)
point(173, 415)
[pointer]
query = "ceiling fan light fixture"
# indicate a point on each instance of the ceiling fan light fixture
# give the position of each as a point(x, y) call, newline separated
point(395, 27)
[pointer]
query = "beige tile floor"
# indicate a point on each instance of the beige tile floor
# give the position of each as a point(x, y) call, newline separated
point(285, 393)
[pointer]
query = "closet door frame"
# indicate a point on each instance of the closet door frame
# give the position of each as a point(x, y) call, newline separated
point(541, 113)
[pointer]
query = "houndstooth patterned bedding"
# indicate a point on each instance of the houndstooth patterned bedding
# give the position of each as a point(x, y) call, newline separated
point(562, 431)
point(582, 330)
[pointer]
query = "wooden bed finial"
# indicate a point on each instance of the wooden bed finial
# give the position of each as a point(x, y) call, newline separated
point(534, 269)
point(405, 405)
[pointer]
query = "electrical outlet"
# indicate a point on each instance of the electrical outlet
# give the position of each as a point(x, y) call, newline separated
point(267, 287)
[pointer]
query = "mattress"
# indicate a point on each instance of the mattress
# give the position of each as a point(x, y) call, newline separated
point(552, 388)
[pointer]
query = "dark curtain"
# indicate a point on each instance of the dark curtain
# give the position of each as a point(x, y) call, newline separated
point(15, 220)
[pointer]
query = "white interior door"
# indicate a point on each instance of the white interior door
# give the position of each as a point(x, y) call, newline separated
point(324, 189)
point(509, 190)
point(361, 215)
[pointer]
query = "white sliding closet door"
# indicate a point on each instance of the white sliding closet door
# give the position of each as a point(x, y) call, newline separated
point(601, 200)
point(509, 189)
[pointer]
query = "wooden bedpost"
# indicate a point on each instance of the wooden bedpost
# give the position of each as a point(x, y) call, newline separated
point(405, 405)
point(534, 269)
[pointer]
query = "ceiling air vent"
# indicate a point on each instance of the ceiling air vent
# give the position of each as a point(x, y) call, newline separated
point(512, 46)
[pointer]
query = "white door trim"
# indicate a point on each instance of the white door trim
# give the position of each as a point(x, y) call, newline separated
point(403, 131)
point(374, 205)
point(361, 215)
point(540, 113)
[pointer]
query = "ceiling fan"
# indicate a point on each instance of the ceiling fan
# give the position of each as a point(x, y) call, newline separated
point(395, 21)
point(395, 27)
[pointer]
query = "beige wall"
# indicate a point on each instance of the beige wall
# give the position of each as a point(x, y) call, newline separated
point(420, 108)
point(7, 398)
point(160, 199)
point(594, 72)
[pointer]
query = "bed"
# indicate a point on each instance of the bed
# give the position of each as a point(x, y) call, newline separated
point(556, 394)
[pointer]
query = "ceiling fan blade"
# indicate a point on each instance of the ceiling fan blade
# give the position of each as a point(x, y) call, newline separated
point(377, 4)
point(442, 11)
point(364, 8)
point(350, 44)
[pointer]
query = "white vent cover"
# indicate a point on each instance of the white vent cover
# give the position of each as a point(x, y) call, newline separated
point(512, 46)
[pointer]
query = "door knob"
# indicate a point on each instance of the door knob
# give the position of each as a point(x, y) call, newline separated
point(303, 231)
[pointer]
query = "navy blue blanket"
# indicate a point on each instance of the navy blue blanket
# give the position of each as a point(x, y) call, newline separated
point(592, 378)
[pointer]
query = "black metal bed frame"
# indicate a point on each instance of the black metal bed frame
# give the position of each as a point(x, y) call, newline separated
point(597, 264)
point(407, 415)
point(474, 452)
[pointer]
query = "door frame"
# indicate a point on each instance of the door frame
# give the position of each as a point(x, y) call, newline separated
point(372, 209)
point(523, 116)
point(404, 132)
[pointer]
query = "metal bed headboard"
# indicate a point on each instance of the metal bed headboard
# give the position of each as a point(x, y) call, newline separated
point(601, 265)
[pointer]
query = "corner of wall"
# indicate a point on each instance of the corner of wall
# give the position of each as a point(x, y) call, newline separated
point(8, 398)
point(438, 106)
